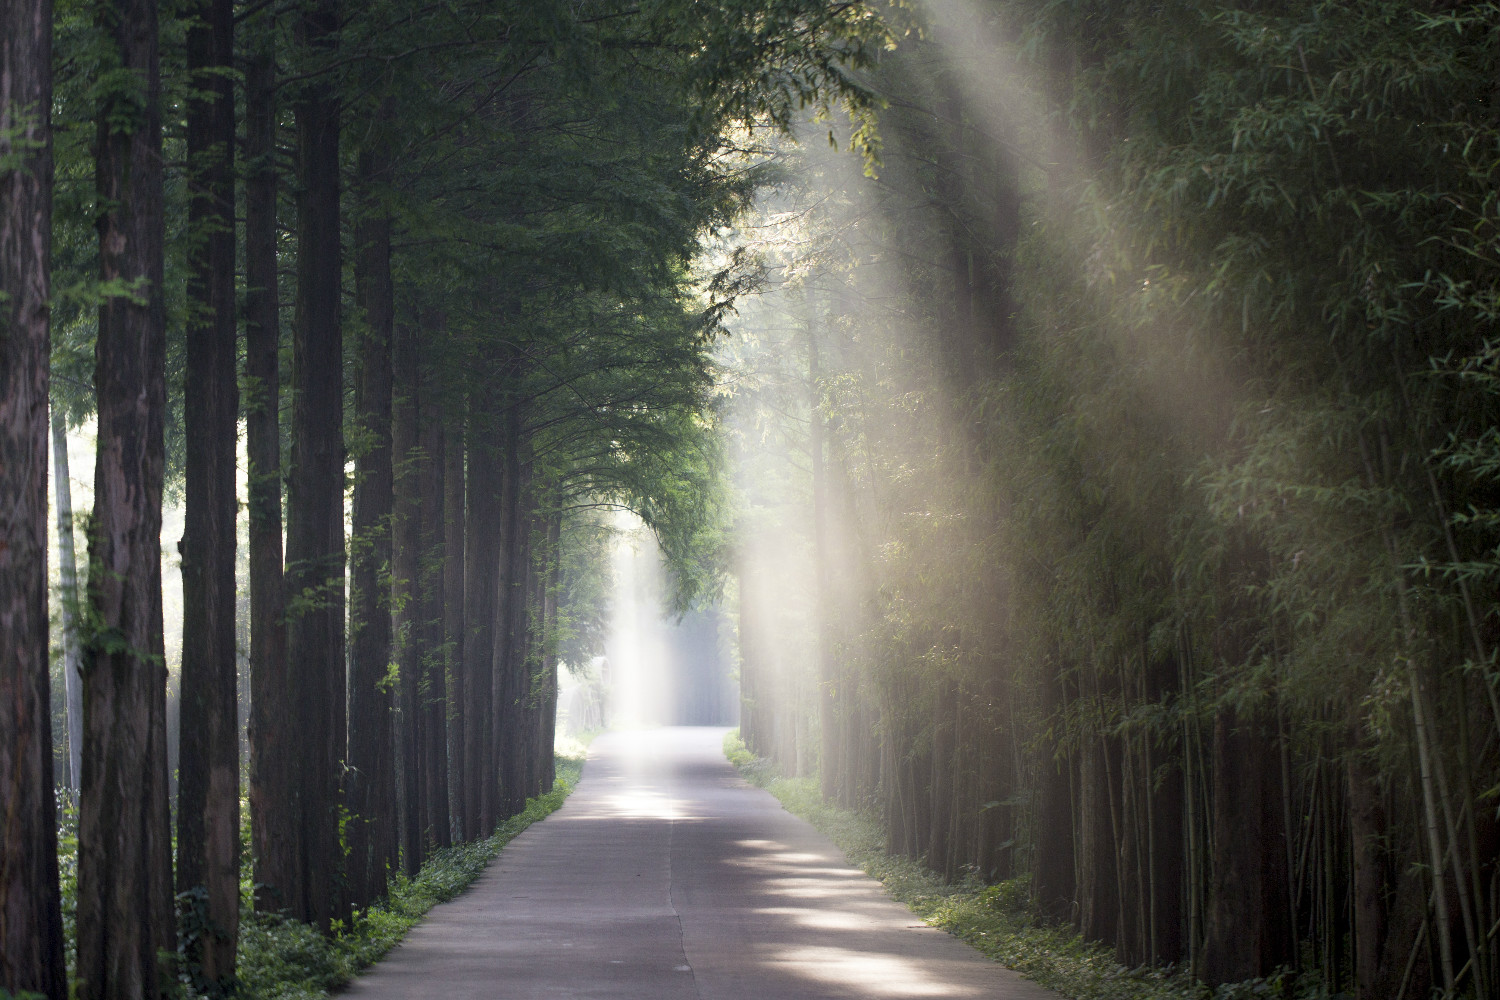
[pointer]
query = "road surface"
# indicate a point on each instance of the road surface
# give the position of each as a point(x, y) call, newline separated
point(666, 876)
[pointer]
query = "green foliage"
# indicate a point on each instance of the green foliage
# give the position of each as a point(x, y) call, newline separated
point(1159, 388)
point(282, 958)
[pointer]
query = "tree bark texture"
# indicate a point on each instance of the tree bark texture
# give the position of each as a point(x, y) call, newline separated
point(453, 626)
point(1247, 933)
point(1054, 882)
point(548, 708)
point(512, 679)
point(430, 615)
point(208, 805)
point(481, 567)
point(1367, 833)
point(124, 840)
point(406, 567)
point(1098, 889)
point(315, 488)
point(271, 730)
point(370, 781)
point(406, 596)
point(534, 630)
point(31, 935)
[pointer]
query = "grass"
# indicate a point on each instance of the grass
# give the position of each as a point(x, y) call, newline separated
point(284, 959)
point(995, 919)
point(281, 959)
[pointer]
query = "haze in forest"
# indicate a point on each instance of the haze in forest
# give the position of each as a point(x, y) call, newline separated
point(1061, 435)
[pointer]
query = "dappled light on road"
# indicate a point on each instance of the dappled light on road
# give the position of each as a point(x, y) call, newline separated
point(664, 876)
point(871, 974)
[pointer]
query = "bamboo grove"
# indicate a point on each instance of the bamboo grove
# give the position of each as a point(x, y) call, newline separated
point(1132, 432)
point(435, 263)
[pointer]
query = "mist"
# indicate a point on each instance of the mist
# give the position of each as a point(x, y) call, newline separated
point(657, 668)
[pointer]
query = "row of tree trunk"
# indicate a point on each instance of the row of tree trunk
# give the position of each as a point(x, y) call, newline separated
point(452, 557)
point(1141, 748)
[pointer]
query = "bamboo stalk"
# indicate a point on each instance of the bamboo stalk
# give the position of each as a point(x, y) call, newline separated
point(1465, 904)
point(1434, 844)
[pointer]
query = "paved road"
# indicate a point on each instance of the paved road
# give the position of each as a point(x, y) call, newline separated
point(666, 876)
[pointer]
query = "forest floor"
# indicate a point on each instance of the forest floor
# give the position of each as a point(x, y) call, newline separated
point(664, 875)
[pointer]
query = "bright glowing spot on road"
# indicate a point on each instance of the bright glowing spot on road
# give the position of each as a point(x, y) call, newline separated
point(875, 975)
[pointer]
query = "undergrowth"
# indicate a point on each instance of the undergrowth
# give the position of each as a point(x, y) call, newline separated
point(996, 919)
point(284, 959)
point(281, 959)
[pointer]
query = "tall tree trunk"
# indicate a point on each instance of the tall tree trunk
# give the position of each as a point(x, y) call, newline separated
point(1367, 833)
point(536, 652)
point(1098, 885)
point(1167, 858)
point(453, 627)
point(124, 839)
point(1246, 934)
point(208, 803)
point(828, 756)
point(31, 936)
point(941, 777)
point(1054, 882)
point(67, 586)
point(547, 757)
point(481, 568)
point(273, 797)
point(512, 677)
point(406, 567)
point(370, 782)
point(430, 611)
point(748, 647)
point(315, 486)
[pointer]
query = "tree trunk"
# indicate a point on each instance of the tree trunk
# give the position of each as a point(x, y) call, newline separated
point(67, 586)
point(1098, 887)
point(208, 803)
point(748, 648)
point(31, 934)
point(822, 604)
point(1054, 883)
point(434, 676)
point(1367, 832)
point(940, 776)
point(315, 488)
point(511, 598)
point(549, 661)
point(481, 567)
point(526, 708)
point(1166, 853)
point(536, 656)
point(370, 782)
point(124, 838)
point(453, 628)
point(406, 567)
point(273, 797)
point(1246, 934)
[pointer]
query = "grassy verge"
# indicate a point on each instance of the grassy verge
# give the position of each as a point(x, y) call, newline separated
point(283, 959)
point(995, 919)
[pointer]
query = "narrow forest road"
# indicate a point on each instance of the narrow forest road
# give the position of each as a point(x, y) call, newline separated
point(665, 875)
